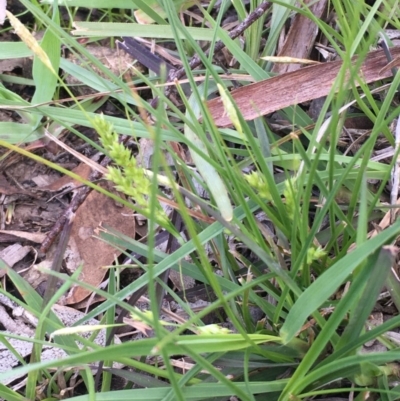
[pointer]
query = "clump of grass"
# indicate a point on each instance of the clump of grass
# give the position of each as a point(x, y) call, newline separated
point(288, 248)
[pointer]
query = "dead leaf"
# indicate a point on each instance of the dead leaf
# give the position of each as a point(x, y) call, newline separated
point(38, 238)
point(92, 252)
point(36, 275)
point(289, 60)
point(83, 248)
point(295, 87)
point(13, 254)
point(66, 181)
point(142, 327)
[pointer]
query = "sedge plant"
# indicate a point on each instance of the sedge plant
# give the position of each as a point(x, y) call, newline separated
point(293, 269)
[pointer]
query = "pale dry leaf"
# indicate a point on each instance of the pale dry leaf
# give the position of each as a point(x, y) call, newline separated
point(289, 60)
point(14, 253)
point(38, 238)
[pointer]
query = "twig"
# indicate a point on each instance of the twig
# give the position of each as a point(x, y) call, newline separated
point(386, 50)
point(196, 61)
point(58, 259)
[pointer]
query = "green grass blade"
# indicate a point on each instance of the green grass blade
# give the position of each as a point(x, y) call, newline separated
point(319, 291)
point(45, 81)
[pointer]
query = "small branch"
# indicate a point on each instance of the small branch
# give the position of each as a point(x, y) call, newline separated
point(196, 61)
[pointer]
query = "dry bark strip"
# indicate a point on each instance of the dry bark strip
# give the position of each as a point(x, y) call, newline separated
point(301, 37)
point(296, 87)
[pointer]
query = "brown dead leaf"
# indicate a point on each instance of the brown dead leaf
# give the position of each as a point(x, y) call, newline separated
point(67, 182)
point(140, 326)
point(82, 246)
point(92, 252)
point(295, 87)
